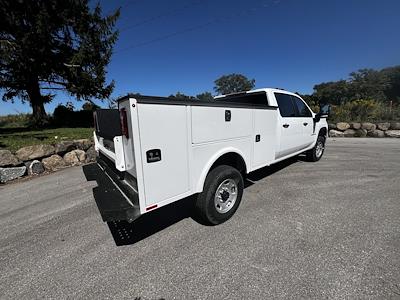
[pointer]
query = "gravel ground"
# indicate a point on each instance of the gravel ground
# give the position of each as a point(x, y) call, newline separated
point(303, 230)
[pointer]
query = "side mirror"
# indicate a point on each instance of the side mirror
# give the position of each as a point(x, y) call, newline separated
point(324, 112)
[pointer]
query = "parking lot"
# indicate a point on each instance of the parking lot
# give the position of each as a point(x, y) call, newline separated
point(329, 229)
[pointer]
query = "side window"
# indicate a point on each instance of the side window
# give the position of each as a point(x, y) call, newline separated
point(301, 108)
point(285, 105)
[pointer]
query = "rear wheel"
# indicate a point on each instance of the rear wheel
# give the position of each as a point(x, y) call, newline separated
point(223, 190)
point(316, 153)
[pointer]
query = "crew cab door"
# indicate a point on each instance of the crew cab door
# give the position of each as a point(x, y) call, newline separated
point(291, 127)
point(305, 117)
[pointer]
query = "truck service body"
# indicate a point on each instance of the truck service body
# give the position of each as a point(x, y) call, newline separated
point(153, 151)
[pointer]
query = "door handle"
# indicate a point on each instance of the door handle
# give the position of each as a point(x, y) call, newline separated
point(305, 124)
point(286, 125)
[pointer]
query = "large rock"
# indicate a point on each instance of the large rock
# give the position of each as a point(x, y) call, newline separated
point(35, 167)
point(53, 162)
point(361, 133)
point(64, 147)
point(393, 133)
point(83, 144)
point(7, 174)
point(349, 133)
point(368, 126)
point(8, 159)
point(395, 125)
point(377, 133)
point(331, 126)
point(342, 126)
point(34, 152)
point(383, 126)
point(355, 125)
point(75, 157)
point(91, 154)
point(335, 133)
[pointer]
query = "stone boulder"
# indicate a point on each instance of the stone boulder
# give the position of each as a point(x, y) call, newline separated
point(342, 126)
point(83, 144)
point(368, 126)
point(361, 133)
point(355, 125)
point(8, 159)
point(383, 126)
point(377, 133)
point(335, 133)
point(64, 147)
point(331, 126)
point(7, 174)
point(35, 167)
point(393, 133)
point(349, 133)
point(75, 157)
point(395, 125)
point(53, 162)
point(34, 152)
point(91, 155)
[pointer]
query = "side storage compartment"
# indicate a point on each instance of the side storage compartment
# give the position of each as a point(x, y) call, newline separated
point(211, 124)
point(164, 132)
point(265, 140)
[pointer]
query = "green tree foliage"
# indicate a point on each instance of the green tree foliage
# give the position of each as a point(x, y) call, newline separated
point(48, 45)
point(89, 106)
point(383, 85)
point(334, 92)
point(392, 92)
point(206, 96)
point(233, 83)
point(181, 96)
point(368, 84)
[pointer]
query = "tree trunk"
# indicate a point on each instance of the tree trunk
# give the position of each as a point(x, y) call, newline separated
point(38, 112)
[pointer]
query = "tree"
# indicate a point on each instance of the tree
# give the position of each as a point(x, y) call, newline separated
point(392, 93)
point(206, 96)
point(90, 106)
point(49, 45)
point(334, 92)
point(233, 83)
point(180, 95)
point(368, 84)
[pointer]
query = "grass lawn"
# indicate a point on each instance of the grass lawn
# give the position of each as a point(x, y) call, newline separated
point(15, 138)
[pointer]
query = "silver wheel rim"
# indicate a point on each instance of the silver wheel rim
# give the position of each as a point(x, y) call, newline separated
point(225, 196)
point(319, 149)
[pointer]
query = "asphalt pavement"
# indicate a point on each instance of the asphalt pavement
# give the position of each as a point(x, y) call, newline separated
point(329, 229)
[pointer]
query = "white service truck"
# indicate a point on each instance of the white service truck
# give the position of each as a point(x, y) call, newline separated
point(153, 151)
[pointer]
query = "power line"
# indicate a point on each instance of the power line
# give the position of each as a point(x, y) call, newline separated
point(197, 27)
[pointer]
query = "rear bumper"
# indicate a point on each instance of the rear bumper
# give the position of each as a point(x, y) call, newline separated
point(115, 199)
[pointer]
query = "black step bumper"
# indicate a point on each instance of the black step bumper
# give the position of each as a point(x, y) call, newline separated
point(113, 203)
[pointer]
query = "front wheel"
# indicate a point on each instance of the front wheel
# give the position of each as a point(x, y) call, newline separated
point(316, 153)
point(223, 190)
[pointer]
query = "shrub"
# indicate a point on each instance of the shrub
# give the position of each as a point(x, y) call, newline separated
point(65, 117)
point(15, 121)
point(360, 111)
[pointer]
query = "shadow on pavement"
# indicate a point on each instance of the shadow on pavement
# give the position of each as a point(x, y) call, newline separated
point(125, 233)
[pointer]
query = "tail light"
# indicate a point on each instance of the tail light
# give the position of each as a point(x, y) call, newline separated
point(124, 122)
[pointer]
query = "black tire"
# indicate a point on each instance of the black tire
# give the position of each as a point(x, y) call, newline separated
point(206, 206)
point(313, 154)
